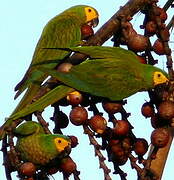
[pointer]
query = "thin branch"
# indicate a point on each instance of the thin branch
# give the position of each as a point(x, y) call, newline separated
point(168, 4)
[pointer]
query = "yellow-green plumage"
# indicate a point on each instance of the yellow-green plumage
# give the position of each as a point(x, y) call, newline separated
point(38, 147)
point(64, 30)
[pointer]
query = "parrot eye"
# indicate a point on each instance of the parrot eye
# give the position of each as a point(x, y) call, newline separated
point(159, 75)
point(59, 141)
point(89, 10)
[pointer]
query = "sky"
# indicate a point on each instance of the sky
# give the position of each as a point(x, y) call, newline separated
point(21, 26)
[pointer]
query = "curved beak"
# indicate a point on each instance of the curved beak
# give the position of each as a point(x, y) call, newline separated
point(94, 22)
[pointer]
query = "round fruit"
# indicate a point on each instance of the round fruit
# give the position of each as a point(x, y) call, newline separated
point(140, 146)
point(74, 98)
point(160, 137)
point(121, 128)
point(67, 165)
point(158, 47)
point(138, 43)
point(78, 115)
point(74, 141)
point(112, 107)
point(147, 109)
point(166, 110)
point(98, 124)
point(86, 31)
point(27, 169)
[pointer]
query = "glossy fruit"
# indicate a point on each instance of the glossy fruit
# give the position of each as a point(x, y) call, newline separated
point(27, 169)
point(74, 141)
point(78, 115)
point(160, 137)
point(74, 98)
point(158, 47)
point(86, 31)
point(112, 107)
point(98, 124)
point(147, 109)
point(140, 146)
point(121, 128)
point(138, 43)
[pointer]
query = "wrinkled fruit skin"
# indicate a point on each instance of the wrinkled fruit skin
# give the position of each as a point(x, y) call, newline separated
point(166, 110)
point(160, 137)
point(78, 116)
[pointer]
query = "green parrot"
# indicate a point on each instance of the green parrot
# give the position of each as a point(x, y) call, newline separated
point(113, 73)
point(35, 146)
point(109, 72)
point(64, 30)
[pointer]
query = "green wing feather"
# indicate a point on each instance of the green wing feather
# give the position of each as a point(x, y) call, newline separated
point(28, 128)
point(108, 78)
point(60, 32)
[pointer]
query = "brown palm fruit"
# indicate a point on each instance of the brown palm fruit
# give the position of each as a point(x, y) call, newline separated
point(78, 115)
point(112, 107)
point(138, 43)
point(86, 31)
point(151, 28)
point(160, 137)
point(140, 146)
point(74, 98)
point(158, 47)
point(67, 165)
point(147, 110)
point(74, 141)
point(166, 110)
point(121, 128)
point(27, 169)
point(98, 124)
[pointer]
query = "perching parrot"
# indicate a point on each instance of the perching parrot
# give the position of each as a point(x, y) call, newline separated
point(110, 72)
point(64, 30)
point(37, 147)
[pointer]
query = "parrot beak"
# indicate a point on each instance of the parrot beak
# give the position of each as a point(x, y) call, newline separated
point(94, 22)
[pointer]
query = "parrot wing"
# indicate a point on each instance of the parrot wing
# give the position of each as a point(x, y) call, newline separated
point(111, 78)
point(103, 52)
point(63, 32)
point(28, 128)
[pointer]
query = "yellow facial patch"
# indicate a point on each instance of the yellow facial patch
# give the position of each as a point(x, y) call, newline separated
point(90, 14)
point(61, 144)
point(159, 78)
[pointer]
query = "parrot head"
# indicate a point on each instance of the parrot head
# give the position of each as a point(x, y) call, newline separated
point(159, 78)
point(88, 15)
point(62, 143)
